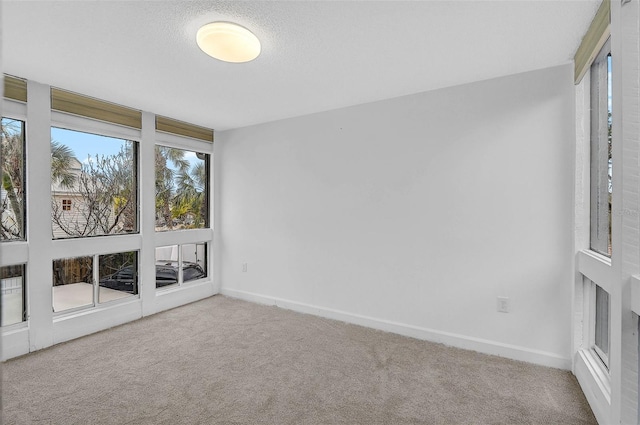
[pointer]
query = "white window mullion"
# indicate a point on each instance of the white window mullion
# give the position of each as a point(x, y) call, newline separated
point(180, 280)
point(96, 279)
point(39, 266)
point(147, 199)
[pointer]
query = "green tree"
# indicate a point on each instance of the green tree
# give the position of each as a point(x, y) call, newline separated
point(191, 197)
point(105, 194)
point(61, 159)
point(12, 149)
point(165, 187)
point(12, 202)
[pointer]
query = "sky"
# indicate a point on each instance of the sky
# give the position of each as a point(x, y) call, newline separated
point(85, 145)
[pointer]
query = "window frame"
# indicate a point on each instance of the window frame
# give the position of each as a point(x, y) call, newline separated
point(180, 281)
point(600, 222)
point(95, 282)
point(99, 128)
point(95, 246)
point(25, 306)
point(44, 328)
point(15, 112)
point(602, 355)
point(208, 188)
point(16, 251)
point(182, 237)
point(594, 265)
point(72, 310)
point(136, 275)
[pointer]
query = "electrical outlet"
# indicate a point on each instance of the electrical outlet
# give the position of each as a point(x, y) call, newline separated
point(244, 267)
point(503, 304)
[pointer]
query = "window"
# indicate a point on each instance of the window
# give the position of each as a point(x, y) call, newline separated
point(118, 276)
point(13, 292)
point(72, 283)
point(182, 187)
point(98, 176)
point(12, 191)
point(602, 325)
point(194, 261)
point(91, 193)
point(74, 280)
point(601, 160)
point(178, 264)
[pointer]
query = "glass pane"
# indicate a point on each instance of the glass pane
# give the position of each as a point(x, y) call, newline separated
point(194, 261)
point(118, 276)
point(166, 266)
point(12, 191)
point(13, 295)
point(72, 283)
point(601, 163)
point(93, 184)
point(182, 187)
point(602, 321)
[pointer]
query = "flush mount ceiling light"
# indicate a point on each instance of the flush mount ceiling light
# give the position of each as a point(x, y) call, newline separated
point(228, 42)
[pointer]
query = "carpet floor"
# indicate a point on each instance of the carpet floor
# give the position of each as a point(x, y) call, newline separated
point(226, 361)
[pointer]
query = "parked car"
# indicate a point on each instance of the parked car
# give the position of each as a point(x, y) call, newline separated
point(166, 274)
point(123, 280)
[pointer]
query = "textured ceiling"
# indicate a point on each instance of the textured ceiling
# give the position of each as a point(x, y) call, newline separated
point(316, 55)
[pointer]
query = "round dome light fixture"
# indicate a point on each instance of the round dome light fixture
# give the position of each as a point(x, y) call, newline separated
point(228, 42)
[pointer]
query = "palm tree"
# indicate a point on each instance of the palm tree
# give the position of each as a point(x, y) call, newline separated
point(191, 194)
point(61, 158)
point(12, 149)
point(164, 179)
point(105, 193)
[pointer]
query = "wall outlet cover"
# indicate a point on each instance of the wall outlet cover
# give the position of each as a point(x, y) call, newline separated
point(503, 304)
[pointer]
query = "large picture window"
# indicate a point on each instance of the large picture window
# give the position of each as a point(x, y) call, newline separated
point(182, 187)
point(12, 192)
point(601, 159)
point(93, 184)
point(85, 262)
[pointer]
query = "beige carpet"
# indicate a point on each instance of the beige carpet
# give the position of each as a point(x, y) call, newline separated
point(224, 361)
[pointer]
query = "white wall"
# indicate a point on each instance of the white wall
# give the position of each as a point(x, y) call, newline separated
point(413, 214)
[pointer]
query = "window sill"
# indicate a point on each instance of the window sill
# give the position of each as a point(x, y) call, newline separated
point(15, 327)
point(177, 288)
point(596, 256)
point(92, 309)
point(595, 267)
point(183, 236)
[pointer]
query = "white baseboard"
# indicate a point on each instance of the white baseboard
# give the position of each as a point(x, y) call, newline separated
point(461, 341)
